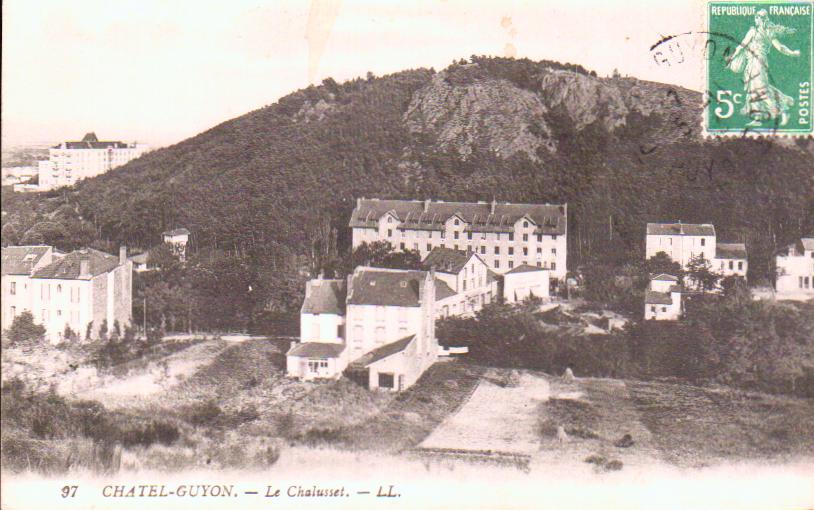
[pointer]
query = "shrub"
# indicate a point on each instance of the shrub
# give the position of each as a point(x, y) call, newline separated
point(323, 435)
point(154, 431)
point(204, 413)
point(614, 465)
point(24, 330)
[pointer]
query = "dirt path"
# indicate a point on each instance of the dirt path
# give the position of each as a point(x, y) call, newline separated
point(495, 418)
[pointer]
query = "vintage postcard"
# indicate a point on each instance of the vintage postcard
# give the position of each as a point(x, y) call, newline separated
point(363, 254)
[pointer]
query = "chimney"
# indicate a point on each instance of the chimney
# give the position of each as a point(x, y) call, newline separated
point(122, 255)
point(492, 208)
point(426, 205)
point(358, 203)
point(84, 267)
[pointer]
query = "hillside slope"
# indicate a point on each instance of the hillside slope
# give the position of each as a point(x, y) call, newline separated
point(282, 180)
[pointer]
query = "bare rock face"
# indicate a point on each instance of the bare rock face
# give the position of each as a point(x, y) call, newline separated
point(489, 113)
point(313, 112)
point(585, 99)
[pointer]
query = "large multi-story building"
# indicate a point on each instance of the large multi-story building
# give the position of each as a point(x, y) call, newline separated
point(82, 290)
point(504, 235)
point(69, 162)
point(795, 270)
point(681, 241)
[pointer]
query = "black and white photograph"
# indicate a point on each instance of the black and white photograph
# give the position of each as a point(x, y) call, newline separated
point(441, 254)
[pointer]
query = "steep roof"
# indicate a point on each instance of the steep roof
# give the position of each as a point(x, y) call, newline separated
point(665, 278)
point(316, 350)
point(651, 297)
point(524, 268)
point(21, 259)
point(680, 229)
point(431, 215)
point(391, 287)
point(808, 243)
point(730, 251)
point(141, 258)
point(324, 296)
point(384, 351)
point(443, 291)
point(446, 260)
point(68, 267)
point(176, 232)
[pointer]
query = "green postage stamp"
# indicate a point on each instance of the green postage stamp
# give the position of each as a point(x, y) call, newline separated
point(760, 80)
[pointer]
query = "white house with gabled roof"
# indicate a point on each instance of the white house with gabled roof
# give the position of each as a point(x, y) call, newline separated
point(662, 300)
point(380, 325)
point(474, 284)
point(81, 290)
point(680, 241)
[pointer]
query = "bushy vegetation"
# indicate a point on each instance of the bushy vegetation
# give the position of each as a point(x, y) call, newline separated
point(726, 339)
point(23, 331)
point(33, 420)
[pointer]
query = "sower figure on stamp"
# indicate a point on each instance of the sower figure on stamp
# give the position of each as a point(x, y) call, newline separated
point(763, 101)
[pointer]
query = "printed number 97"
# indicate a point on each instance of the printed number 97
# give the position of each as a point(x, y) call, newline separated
point(69, 491)
point(721, 97)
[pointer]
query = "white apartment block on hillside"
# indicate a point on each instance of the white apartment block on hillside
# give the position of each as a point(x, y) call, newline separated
point(684, 241)
point(81, 289)
point(70, 162)
point(503, 235)
point(795, 270)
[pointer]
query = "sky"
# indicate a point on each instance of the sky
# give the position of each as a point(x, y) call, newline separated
point(159, 71)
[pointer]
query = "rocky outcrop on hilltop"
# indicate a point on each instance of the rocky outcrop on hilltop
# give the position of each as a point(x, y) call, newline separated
point(491, 114)
point(585, 99)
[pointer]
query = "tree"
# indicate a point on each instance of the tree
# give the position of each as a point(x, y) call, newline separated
point(380, 254)
point(69, 334)
point(736, 290)
point(23, 329)
point(661, 263)
point(700, 273)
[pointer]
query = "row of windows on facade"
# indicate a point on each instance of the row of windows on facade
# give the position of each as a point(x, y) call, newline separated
point(45, 316)
point(670, 239)
point(45, 291)
point(732, 265)
point(653, 309)
point(482, 250)
point(456, 235)
point(457, 222)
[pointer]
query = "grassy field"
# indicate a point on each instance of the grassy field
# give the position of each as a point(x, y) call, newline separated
point(676, 424)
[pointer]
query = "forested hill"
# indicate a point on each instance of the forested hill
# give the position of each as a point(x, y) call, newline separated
point(277, 184)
